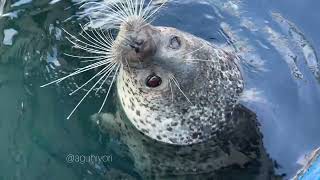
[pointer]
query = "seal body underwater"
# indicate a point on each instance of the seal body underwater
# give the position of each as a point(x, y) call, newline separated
point(233, 155)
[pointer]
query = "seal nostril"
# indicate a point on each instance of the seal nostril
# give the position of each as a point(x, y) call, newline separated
point(139, 42)
point(153, 81)
point(137, 49)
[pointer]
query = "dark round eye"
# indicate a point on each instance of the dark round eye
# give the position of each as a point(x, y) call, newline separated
point(175, 42)
point(153, 81)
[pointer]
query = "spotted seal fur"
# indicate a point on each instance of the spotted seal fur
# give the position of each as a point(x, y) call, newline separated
point(235, 154)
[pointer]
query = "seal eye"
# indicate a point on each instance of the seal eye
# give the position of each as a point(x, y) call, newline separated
point(175, 42)
point(153, 81)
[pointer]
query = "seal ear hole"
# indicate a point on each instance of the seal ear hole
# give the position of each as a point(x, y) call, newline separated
point(175, 42)
point(153, 81)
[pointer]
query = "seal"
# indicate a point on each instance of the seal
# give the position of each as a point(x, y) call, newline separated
point(173, 86)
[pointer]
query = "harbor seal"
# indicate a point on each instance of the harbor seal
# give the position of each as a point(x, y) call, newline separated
point(173, 86)
point(176, 101)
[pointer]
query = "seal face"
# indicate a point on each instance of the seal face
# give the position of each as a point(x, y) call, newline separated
point(175, 87)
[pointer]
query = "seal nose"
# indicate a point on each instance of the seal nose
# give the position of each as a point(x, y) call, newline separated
point(137, 45)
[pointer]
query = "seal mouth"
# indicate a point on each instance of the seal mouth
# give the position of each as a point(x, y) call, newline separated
point(153, 81)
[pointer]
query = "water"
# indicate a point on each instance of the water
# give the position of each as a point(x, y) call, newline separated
point(277, 42)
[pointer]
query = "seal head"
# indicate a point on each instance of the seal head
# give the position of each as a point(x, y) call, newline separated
point(175, 87)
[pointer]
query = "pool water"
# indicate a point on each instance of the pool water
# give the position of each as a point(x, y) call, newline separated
point(277, 42)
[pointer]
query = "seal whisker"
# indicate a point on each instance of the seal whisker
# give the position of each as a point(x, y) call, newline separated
point(145, 24)
point(124, 9)
point(141, 8)
point(78, 46)
point(229, 40)
point(75, 108)
point(85, 57)
point(106, 78)
point(116, 12)
point(171, 90)
point(198, 60)
point(104, 42)
point(98, 64)
point(131, 8)
point(109, 38)
point(126, 40)
point(80, 70)
point(147, 9)
point(104, 70)
point(93, 45)
point(152, 12)
point(112, 82)
point(128, 65)
point(96, 39)
point(193, 51)
point(178, 86)
point(107, 8)
point(92, 60)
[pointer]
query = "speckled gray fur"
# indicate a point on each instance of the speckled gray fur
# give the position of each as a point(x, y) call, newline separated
point(236, 154)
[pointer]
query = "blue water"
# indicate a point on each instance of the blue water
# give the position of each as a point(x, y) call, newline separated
point(36, 138)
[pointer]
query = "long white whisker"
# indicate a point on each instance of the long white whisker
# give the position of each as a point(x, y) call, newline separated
point(122, 10)
point(112, 82)
point(101, 40)
point(108, 58)
point(80, 70)
point(97, 74)
point(108, 39)
point(93, 45)
point(93, 60)
point(146, 9)
point(178, 86)
point(171, 90)
point(130, 7)
point(136, 7)
point(75, 108)
point(141, 8)
point(155, 11)
point(119, 15)
point(199, 60)
point(128, 65)
point(125, 9)
point(106, 78)
point(76, 45)
point(87, 57)
point(194, 50)
point(94, 40)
